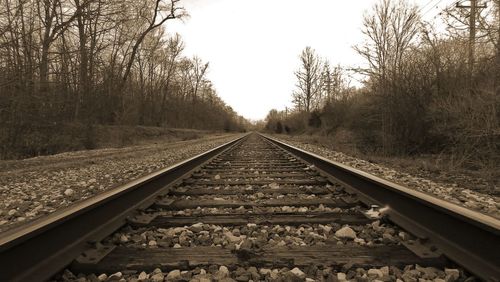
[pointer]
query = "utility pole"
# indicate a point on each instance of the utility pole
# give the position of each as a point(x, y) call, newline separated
point(472, 34)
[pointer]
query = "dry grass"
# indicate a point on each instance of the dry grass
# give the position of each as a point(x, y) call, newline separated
point(439, 167)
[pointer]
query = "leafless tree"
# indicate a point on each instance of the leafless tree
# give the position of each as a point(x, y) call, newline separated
point(389, 30)
point(67, 63)
point(308, 80)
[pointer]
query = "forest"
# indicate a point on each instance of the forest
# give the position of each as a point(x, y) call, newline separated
point(426, 89)
point(68, 66)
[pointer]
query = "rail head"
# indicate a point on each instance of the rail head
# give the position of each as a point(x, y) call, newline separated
point(470, 238)
point(43, 247)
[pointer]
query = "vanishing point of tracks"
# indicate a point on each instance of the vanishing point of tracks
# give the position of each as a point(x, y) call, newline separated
point(255, 209)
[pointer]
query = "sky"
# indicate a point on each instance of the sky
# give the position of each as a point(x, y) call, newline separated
point(253, 46)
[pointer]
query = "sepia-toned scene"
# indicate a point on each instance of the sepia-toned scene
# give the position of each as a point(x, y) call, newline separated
point(249, 140)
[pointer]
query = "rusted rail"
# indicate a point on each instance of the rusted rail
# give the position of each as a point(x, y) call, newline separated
point(39, 249)
point(469, 238)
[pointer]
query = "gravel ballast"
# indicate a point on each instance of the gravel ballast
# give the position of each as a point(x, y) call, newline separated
point(311, 273)
point(38, 186)
point(449, 191)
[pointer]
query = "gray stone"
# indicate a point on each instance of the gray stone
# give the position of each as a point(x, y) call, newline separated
point(345, 232)
point(157, 277)
point(222, 272)
point(174, 275)
point(143, 276)
point(197, 227)
point(115, 276)
point(299, 273)
point(265, 271)
point(69, 192)
point(452, 274)
point(341, 276)
point(12, 212)
point(373, 272)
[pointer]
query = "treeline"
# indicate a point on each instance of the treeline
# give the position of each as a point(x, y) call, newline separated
point(423, 92)
point(97, 62)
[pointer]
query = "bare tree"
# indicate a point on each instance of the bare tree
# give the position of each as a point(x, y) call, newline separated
point(390, 30)
point(308, 80)
point(171, 54)
point(334, 83)
point(199, 70)
point(158, 18)
point(88, 62)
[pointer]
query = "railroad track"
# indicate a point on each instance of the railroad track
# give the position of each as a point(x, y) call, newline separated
point(255, 209)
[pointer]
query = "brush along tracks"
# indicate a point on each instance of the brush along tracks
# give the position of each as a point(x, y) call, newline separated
point(259, 213)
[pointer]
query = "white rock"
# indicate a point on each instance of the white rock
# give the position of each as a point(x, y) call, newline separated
point(123, 238)
point(102, 277)
point(197, 227)
point(341, 276)
point(143, 276)
point(298, 273)
point(69, 192)
point(375, 272)
point(452, 273)
point(275, 274)
point(265, 271)
point(273, 185)
point(157, 277)
point(326, 228)
point(177, 246)
point(231, 238)
point(310, 280)
point(346, 232)
point(403, 235)
point(385, 270)
point(376, 225)
point(360, 241)
point(173, 275)
point(115, 276)
point(223, 271)
point(217, 177)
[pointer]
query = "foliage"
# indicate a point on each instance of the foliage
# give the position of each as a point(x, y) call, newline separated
point(416, 97)
point(97, 62)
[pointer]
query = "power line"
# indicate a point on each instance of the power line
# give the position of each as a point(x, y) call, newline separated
point(423, 7)
point(431, 8)
point(454, 3)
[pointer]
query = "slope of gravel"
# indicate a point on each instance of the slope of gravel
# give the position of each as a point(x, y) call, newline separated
point(33, 187)
point(451, 190)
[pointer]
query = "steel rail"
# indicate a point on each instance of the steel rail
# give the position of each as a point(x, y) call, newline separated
point(39, 249)
point(469, 238)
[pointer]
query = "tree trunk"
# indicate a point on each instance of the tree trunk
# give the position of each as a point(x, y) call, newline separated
point(83, 70)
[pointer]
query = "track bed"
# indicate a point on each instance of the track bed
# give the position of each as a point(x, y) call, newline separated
point(258, 213)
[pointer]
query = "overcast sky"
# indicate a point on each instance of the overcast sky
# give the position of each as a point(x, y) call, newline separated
point(253, 45)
